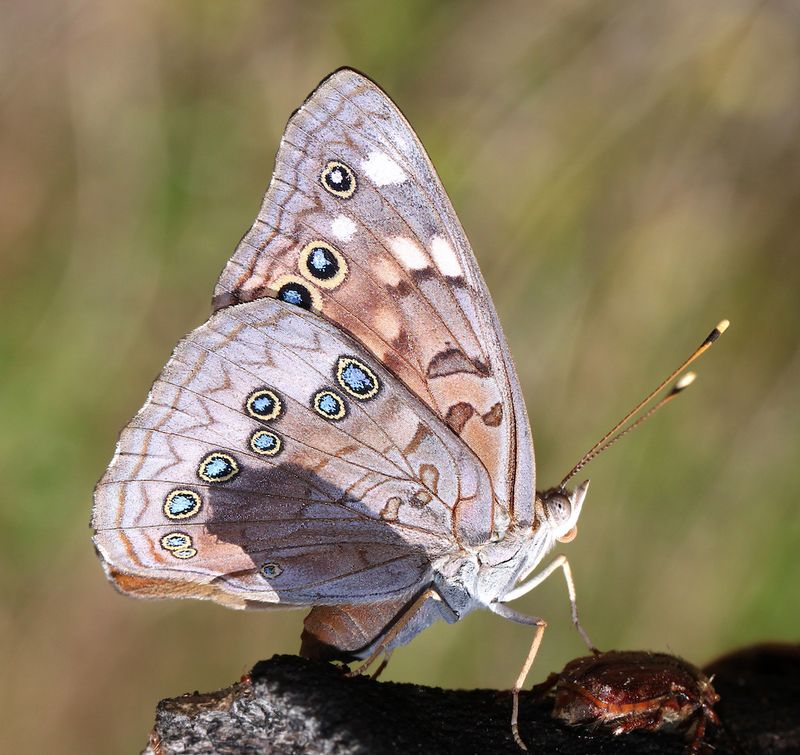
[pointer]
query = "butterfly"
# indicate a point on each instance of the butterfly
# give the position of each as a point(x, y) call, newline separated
point(347, 430)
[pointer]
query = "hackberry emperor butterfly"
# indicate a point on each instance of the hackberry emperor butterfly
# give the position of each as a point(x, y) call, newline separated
point(347, 430)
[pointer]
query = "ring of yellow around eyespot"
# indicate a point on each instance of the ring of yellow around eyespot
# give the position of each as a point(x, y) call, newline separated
point(188, 512)
point(277, 405)
point(349, 175)
point(283, 280)
point(233, 467)
point(185, 553)
point(342, 364)
point(306, 271)
point(319, 396)
point(270, 570)
point(273, 451)
point(186, 541)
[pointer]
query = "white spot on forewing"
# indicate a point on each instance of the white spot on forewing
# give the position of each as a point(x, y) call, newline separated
point(343, 228)
point(445, 257)
point(382, 170)
point(387, 270)
point(408, 252)
point(387, 324)
point(401, 142)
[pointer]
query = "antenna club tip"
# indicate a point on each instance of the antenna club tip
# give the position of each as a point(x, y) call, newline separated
point(721, 327)
point(685, 381)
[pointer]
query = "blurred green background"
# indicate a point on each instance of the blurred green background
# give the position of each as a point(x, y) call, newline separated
point(628, 173)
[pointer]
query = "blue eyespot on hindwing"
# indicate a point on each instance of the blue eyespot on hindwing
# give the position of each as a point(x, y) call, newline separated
point(179, 544)
point(338, 179)
point(356, 378)
point(329, 404)
point(264, 404)
point(270, 570)
point(265, 443)
point(185, 553)
point(174, 541)
point(182, 504)
point(323, 264)
point(217, 467)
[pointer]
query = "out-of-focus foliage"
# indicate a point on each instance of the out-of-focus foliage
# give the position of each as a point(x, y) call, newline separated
point(628, 173)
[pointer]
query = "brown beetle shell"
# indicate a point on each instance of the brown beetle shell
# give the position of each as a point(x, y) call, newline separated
point(630, 690)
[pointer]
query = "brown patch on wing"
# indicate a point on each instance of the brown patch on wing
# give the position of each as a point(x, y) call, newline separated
point(419, 436)
point(494, 416)
point(157, 587)
point(452, 361)
point(458, 415)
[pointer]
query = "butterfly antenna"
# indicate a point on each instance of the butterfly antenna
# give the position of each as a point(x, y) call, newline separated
point(615, 433)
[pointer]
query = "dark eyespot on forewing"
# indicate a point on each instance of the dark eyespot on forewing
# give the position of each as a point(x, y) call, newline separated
point(295, 293)
point(323, 264)
point(339, 179)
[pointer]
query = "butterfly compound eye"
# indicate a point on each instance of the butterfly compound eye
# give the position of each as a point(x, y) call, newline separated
point(558, 508)
point(338, 179)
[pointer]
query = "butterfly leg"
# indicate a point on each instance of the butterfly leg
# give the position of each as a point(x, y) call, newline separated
point(383, 645)
point(382, 665)
point(558, 563)
point(540, 624)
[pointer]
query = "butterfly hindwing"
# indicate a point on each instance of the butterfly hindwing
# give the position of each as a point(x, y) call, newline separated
point(357, 227)
point(276, 461)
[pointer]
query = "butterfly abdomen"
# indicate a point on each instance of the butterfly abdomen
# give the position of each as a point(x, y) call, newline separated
point(346, 632)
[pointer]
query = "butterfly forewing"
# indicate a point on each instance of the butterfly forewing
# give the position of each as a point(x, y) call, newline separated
point(276, 461)
point(356, 226)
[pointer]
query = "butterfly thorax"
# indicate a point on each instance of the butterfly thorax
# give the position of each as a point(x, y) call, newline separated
point(484, 575)
point(496, 567)
point(505, 563)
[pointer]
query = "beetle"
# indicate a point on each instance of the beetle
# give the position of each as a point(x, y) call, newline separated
point(633, 690)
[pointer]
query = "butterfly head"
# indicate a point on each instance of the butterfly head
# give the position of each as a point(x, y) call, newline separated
point(558, 509)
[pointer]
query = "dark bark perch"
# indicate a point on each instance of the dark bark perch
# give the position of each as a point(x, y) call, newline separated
point(291, 705)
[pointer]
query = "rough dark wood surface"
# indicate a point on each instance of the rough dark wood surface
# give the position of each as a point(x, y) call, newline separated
point(290, 705)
